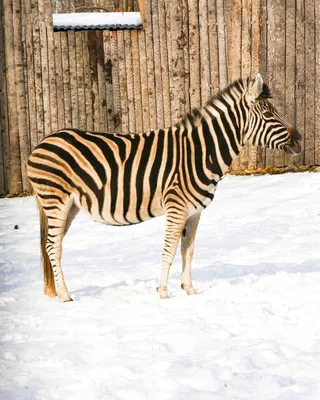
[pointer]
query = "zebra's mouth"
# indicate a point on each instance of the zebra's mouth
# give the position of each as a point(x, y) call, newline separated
point(293, 148)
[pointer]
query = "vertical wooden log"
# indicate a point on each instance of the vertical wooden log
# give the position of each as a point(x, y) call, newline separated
point(255, 153)
point(205, 82)
point(157, 64)
point(309, 139)
point(276, 63)
point(103, 121)
point(4, 129)
point(300, 73)
point(245, 63)
point(145, 101)
point(221, 28)
point(126, 82)
point(87, 82)
point(73, 79)
point(116, 82)
point(165, 48)
point(37, 135)
point(317, 83)
point(136, 82)
point(30, 75)
point(148, 28)
point(66, 80)
point(21, 94)
point(290, 68)
point(194, 53)
point(92, 48)
point(142, 10)
point(14, 178)
point(44, 69)
point(176, 61)
point(263, 50)
point(59, 79)
point(80, 93)
point(213, 47)
point(108, 78)
point(186, 58)
point(234, 19)
point(51, 66)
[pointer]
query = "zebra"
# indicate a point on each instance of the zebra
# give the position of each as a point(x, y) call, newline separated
point(123, 179)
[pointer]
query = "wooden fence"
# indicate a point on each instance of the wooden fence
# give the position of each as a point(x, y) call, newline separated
point(133, 81)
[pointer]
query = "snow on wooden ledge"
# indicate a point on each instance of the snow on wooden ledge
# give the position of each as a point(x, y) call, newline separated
point(95, 20)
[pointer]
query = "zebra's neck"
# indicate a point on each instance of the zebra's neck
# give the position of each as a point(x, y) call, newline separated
point(220, 126)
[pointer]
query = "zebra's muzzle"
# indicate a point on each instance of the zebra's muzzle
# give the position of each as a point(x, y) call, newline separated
point(294, 146)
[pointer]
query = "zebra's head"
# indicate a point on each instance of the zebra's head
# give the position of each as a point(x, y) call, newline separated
point(267, 128)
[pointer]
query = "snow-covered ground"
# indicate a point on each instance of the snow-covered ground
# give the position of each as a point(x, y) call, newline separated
point(251, 332)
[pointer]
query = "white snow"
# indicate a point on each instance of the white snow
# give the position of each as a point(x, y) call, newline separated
point(110, 19)
point(251, 332)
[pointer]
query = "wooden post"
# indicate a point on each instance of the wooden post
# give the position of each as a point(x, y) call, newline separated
point(233, 18)
point(164, 38)
point(221, 29)
point(205, 83)
point(194, 54)
point(44, 66)
point(82, 122)
point(317, 83)
point(51, 66)
point(136, 82)
point(157, 63)
point(309, 139)
point(116, 82)
point(290, 68)
point(141, 8)
point(73, 79)
point(213, 48)
point(15, 179)
point(103, 121)
point(276, 62)
point(148, 28)
point(4, 129)
point(21, 95)
point(87, 82)
point(300, 74)
point(108, 67)
point(93, 83)
point(145, 100)
point(176, 61)
point(256, 154)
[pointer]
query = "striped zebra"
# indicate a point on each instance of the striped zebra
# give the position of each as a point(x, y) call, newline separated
point(124, 179)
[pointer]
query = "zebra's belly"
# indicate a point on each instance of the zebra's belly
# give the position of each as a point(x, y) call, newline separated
point(131, 216)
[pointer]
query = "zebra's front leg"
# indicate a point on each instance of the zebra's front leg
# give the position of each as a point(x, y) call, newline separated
point(187, 246)
point(175, 221)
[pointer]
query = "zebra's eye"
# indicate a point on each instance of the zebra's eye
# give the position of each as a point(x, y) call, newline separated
point(267, 114)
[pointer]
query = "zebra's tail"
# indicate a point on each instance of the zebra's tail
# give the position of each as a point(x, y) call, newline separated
point(48, 277)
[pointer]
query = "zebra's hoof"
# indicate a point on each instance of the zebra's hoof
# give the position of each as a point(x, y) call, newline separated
point(188, 289)
point(66, 301)
point(162, 292)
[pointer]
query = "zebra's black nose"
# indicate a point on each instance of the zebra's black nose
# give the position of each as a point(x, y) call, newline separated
point(295, 134)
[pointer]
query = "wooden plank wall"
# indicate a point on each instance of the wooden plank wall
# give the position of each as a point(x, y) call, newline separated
point(134, 81)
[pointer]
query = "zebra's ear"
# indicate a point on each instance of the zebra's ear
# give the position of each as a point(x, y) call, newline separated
point(256, 87)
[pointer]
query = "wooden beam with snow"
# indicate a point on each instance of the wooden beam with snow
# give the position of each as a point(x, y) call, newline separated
point(94, 20)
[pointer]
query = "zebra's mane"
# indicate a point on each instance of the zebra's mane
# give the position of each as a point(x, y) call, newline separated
point(195, 116)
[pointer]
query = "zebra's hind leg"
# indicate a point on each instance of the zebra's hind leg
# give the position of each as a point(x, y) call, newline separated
point(56, 222)
point(175, 221)
point(187, 246)
point(73, 212)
